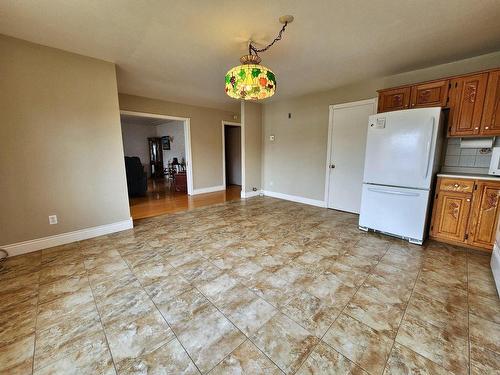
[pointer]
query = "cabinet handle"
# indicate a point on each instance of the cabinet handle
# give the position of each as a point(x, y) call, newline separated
point(487, 127)
point(468, 199)
point(477, 127)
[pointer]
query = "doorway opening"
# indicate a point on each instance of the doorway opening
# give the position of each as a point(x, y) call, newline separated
point(157, 151)
point(232, 155)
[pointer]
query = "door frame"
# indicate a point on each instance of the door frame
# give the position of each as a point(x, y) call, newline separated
point(231, 123)
point(332, 107)
point(187, 140)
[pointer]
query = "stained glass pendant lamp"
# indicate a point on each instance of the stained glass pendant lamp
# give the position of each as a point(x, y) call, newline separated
point(250, 80)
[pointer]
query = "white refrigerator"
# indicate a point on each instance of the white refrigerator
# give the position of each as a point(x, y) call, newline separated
point(403, 150)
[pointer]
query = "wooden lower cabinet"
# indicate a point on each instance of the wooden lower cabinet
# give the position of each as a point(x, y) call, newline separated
point(463, 217)
point(484, 216)
point(451, 216)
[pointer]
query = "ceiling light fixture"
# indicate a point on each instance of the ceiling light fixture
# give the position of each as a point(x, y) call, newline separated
point(252, 81)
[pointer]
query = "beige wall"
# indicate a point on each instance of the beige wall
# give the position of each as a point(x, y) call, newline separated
point(135, 142)
point(60, 142)
point(206, 134)
point(295, 163)
point(251, 118)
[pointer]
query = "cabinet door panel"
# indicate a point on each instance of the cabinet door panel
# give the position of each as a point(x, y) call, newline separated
point(484, 214)
point(466, 104)
point(491, 113)
point(432, 94)
point(394, 99)
point(451, 213)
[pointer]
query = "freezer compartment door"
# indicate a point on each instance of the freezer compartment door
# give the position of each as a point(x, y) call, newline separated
point(400, 148)
point(398, 211)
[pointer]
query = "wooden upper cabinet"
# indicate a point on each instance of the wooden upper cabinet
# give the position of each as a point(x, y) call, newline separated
point(491, 112)
point(473, 101)
point(484, 214)
point(433, 94)
point(394, 99)
point(451, 214)
point(466, 104)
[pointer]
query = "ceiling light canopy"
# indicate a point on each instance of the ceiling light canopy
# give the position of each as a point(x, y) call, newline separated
point(252, 81)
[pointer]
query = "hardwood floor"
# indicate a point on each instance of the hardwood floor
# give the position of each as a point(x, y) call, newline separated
point(161, 199)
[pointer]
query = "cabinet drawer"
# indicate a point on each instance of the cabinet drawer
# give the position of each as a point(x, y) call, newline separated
point(456, 185)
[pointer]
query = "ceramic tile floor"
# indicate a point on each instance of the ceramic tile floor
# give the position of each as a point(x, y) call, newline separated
point(261, 286)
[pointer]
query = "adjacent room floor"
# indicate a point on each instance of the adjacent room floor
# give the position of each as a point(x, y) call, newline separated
point(161, 198)
point(261, 286)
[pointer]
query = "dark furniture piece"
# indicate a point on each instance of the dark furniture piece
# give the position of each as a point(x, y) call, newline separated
point(137, 180)
point(180, 182)
point(156, 157)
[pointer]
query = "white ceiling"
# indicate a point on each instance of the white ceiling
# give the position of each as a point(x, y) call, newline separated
point(180, 50)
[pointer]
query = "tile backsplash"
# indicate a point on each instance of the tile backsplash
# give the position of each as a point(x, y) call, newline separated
point(466, 160)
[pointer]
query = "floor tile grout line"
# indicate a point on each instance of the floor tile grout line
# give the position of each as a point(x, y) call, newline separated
point(36, 316)
point(247, 337)
point(227, 317)
point(159, 311)
point(402, 318)
point(100, 320)
point(412, 296)
point(278, 311)
point(342, 311)
point(468, 313)
point(55, 299)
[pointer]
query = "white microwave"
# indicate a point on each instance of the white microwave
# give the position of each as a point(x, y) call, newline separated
point(495, 162)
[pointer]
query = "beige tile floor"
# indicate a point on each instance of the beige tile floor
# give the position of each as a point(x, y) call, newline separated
point(257, 287)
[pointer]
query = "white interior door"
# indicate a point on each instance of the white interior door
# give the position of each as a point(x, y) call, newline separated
point(348, 128)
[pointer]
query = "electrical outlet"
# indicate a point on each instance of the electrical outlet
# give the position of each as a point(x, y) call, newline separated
point(52, 219)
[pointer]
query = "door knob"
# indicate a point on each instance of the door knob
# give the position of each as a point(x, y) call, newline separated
point(332, 166)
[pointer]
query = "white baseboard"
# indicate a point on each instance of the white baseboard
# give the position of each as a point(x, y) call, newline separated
point(295, 198)
point(210, 189)
point(250, 194)
point(64, 238)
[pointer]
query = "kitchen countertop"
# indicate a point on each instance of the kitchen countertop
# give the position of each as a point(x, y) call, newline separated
point(473, 176)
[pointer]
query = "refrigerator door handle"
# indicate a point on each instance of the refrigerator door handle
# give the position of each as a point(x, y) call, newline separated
point(393, 192)
point(428, 148)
